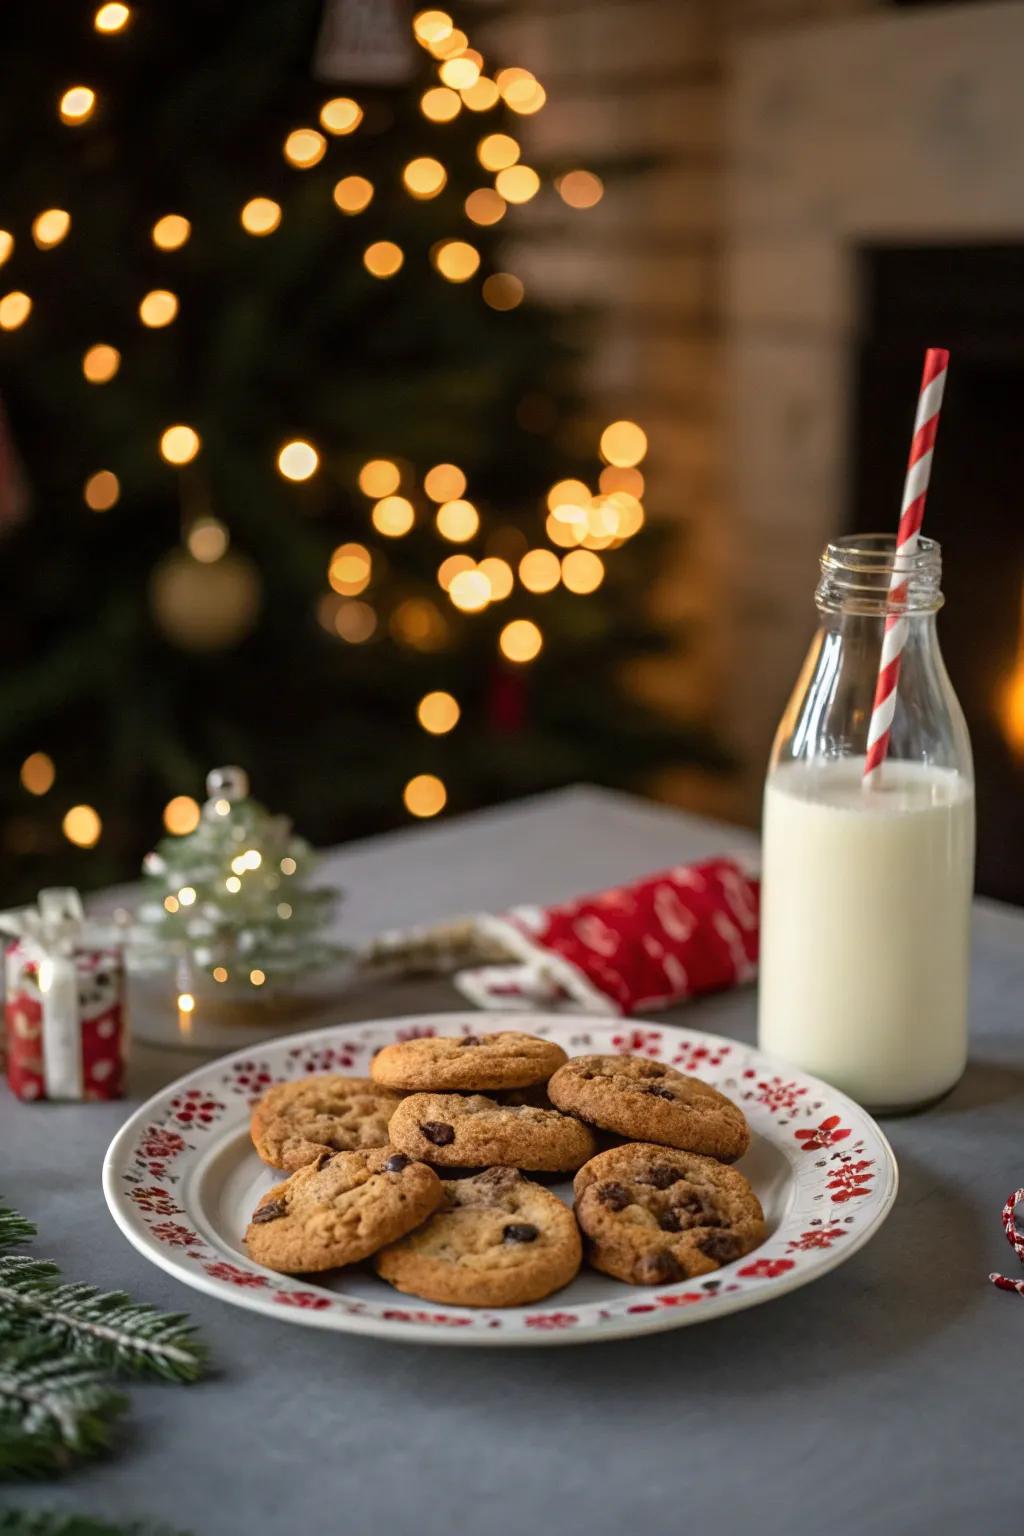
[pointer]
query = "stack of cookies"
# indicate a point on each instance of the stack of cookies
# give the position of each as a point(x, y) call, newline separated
point(421, 1169)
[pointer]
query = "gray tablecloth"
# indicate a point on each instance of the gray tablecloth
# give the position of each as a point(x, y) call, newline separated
point(883, 1399)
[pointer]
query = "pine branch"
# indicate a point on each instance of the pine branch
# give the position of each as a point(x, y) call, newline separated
point(104, 1328)
point(26, 1522)
point(54, 1408)
point(14, 1229)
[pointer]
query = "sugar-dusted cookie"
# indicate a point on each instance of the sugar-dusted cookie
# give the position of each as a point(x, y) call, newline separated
point(498, 1241)
point(294, 1122)
point(652, 1215)
point(646, 1101)
point(474, 1062)
point(340, 1209)
point(472, 1131)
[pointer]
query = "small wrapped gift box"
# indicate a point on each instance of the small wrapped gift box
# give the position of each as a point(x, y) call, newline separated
point(64, 1011)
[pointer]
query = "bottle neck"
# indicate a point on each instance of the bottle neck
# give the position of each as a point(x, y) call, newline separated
point(863, 575)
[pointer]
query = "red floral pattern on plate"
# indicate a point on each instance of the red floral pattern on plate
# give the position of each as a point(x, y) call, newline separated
point(157, 1201)
point(551, 1320)
point(195, 1108)
point(817, 1237)
point(222, 1270)
point(158, 1147)
point(850, 1179)
point(826, 1135)
point(174, 1234)
point(445, 1319)
point(776, 1094)
point(677, 1299)
point(328, 1058)
point(698, 1058)
point(251, 1078)
point(765, 1269)
point(639, 1042)
point(307, 1299)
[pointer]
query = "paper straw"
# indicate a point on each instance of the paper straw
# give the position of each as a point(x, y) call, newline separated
point(915, 489)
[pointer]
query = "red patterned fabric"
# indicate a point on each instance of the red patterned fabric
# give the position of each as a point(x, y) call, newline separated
point(100, 1023)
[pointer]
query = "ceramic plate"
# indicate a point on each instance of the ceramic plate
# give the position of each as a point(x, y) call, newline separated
point(181, 1179)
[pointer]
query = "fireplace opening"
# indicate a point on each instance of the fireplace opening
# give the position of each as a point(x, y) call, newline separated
point(970, 299)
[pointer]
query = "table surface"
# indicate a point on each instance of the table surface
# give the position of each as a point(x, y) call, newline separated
point(882, 1399)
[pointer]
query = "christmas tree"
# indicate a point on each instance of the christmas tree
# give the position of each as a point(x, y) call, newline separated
point(301, 485)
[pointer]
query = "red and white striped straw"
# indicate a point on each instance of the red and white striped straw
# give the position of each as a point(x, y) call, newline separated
point(915, 489)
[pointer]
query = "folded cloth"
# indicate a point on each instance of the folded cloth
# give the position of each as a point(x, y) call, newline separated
point(664, 938)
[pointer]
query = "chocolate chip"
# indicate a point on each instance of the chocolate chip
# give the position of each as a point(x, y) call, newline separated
point(471, 1040)
point(322, 1158)
point(658, 1092)
point(661, 1176)
point(670, 1222)
point(396, 1162)
point(658, 1269)
point(721, 1246)
point(269, 1212)
point(615, 1196)
point(437, 1131)
point(523, 1232)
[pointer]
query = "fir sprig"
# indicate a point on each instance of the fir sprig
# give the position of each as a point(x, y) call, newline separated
point(14, 1229)
point(54, 1408)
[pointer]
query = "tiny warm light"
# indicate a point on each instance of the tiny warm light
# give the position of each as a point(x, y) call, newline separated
point(521, 90)
point(393, 516)
point(288, 865)
point(456, 260)
point(614, 478)
point(355, 622)
point(284, 909)
point(438, 713)
point(350, 569)
point(170, 903)
point(425, 795)
point(304, 148)
point(565, 535)
point(233, 884)
point(298, 460)
point(186, 1002)
point(623, 444)
point(447, 47)
point(77, 105)
point(171, 232)
point(341, 115)
point(580, 189)
point(445, 482)
point(459, 72)
point(432, 26)
point(187, 896)
point(222, 807)
point(261, 216)
point(353, 194)
point(257, 977)
point(180, 444)
point(208, 540)
point(470, 590)
point(503, 290)
point(521, 640)
point(49, 228)
point(181, 815)
point(517, 183)
point(540, 570)
point(420, 624)
point(624, 515)
point(572, 495)
point(379, 477)
point(497, 151)
point(440, 104)
point(15, 309)
point(499, 574)
point(112, 18)
point(424, 177)
point(101, 490)
point(101, 363)
point(82, 826)
point(582, 571)
point(37, 773)
point(485, 206)
point(220, 973)
point(383, 258)
point(482, 96)
point(158, 308)
point(452, 567)
point(457, 520)
point(6, 245)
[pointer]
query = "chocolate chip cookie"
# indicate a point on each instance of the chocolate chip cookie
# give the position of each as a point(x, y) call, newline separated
point(472, 1131)
point(652, 1215)
point(498, 1241)
point(646, 1101)
point(294, 1122)
point(467, 1062)
point(340, 1209)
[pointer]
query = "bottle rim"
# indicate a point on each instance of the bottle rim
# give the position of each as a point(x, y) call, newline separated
point(861, 573)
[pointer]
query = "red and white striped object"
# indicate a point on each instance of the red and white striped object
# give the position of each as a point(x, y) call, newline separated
point(915, 489)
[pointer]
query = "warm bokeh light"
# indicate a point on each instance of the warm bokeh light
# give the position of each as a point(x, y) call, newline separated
point(298, 460)
point(15, 309)
point(520, 90)
point(623, 444)
point(341, 115)
point(457, 521)
point(181, 815)
point(49, 228)
point(350, 569)
point(496, 151)
point(383, 258)
point(171, 232)
point(158, 308)
point(425, 795)
point(499, 574)
point(393, 516)
point(503, 290)
point(440, 104)
point(424, 177)
point(82, 826)
point(420, 624)
point(112, 17)
point(379, 477)
point(517, 183)
point(101, 491)
point(613, 478)
point(582, 571)
point(482, 96)
point(623, 515)
point(304, 148)
point(261, 216)
point(456, 260)
point(446, 47)
point(565, 535)
point(521, 640)
point(179, 444)
point(438, 713)
point(580, 189)
point(355, 622)
point(208, 540)
point(187, 896)
point(470, 590)
point(6, 245)
point(220, 973)
point(77, 105)
point(459, 72)
point(485, 206)
point(38, 773)
point(452, 567)
point(445, 482)
point(432, 26)
point(101, 363)
point(540, 570)
point(257, 977)
point(353, 194)
point(569, 500)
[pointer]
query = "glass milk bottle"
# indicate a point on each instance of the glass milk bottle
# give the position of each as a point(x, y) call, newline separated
point(867, 888)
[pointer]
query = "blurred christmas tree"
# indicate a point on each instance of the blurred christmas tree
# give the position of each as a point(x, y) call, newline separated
point(300, 494)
